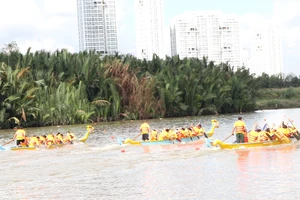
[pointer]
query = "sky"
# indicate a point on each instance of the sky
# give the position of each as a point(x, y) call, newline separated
point(52, 24)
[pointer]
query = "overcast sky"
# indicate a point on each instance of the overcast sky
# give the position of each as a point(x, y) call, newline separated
point(52, 24)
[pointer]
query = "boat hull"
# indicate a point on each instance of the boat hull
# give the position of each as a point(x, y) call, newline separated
point(21, 148)
point(53, 146)
point(248, 145)
point(158, 142)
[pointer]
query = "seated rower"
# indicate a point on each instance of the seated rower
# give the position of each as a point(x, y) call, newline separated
point(280, 136)
point(179, 134)
point(153, 135)
point(33, 141)
point(42, 139)
point(67, 138)
point(254, 134)
point(59, 138)
point(25, 142)
point(184, 133)
point(262, 137)
point(197, 130)
point(189, 132)
point(172, 135)
point(73, 137)
point(164, 135)
point(50, 139)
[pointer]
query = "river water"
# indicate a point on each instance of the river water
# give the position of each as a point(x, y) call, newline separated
point(103, 169)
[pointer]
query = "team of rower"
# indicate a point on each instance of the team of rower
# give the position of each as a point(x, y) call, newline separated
point(280, 133)
point(178, 134)
point(51, 139)
point(48, 140)
point(255, 135)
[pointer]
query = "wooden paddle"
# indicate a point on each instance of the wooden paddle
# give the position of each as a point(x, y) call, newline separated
point(228, 137)
point(208, 142)
point(136, 136)
point(8, 142)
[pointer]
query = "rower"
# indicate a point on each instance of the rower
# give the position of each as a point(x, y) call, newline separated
point(153, 136)
point(197, 130)
point(42, 139)
point(59, 138)
point(164, 135)
point(33, 141)
point(172, 135)
point(20, 135)
point(50, 139)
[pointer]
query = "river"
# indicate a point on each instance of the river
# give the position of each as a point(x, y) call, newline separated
point(103, 169)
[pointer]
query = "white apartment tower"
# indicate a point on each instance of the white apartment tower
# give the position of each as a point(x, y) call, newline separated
point(97, 26)
point(149, 28)
point(206, 34)
point(266, 51)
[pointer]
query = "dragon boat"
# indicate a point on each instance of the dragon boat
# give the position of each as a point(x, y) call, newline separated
point(276, 141)
point(247, 145)
point(128, 141)
point(52, 146)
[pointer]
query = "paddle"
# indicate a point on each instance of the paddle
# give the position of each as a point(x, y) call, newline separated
point(228, 137)
point(8, 142)
point(136, 136)
point(208, 141)
point(269, 136)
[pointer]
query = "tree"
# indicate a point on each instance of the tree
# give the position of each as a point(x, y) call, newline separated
point(10, 47)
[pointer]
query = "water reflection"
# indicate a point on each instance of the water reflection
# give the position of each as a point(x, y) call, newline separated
point(99, 170)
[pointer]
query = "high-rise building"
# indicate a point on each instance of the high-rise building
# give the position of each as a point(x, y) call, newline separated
point(206, 34)
point(149, 28)
point(97, 26)
point(266, 51)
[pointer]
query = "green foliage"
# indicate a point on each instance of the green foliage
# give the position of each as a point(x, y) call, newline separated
point(290, 93)
point(52, 88)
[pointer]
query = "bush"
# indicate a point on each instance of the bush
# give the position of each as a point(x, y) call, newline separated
point(290, 93)
point(274, 103)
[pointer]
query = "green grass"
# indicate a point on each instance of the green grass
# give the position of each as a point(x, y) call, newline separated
point(278, 98)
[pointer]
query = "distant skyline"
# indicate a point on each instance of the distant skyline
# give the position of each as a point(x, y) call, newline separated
point(52, 24)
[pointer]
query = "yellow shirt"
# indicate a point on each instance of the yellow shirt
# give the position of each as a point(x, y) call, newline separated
point(252, 136)
point(153, 136)
point(239, 126)
point(144, 128)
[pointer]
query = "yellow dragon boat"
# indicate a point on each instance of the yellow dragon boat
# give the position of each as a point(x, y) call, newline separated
point(52, 146)
point(277, 141)
point(247, 145)
point(215, 124)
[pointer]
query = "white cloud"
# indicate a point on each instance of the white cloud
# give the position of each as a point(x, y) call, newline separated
point(47, 24)
point(16, 12)
point(60, 7)
point(293, 36)
point(285, 11)
point(44, 44)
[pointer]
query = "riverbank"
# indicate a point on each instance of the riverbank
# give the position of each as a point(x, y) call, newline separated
point(278, 98)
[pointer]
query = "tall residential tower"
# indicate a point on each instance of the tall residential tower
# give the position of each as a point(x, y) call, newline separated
point(266, 51)
point(206, 34)
point(150, 31)
point(97, 26)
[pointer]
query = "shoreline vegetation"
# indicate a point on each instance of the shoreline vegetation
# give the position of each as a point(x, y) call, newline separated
point(44, 88)
point(278, 98)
